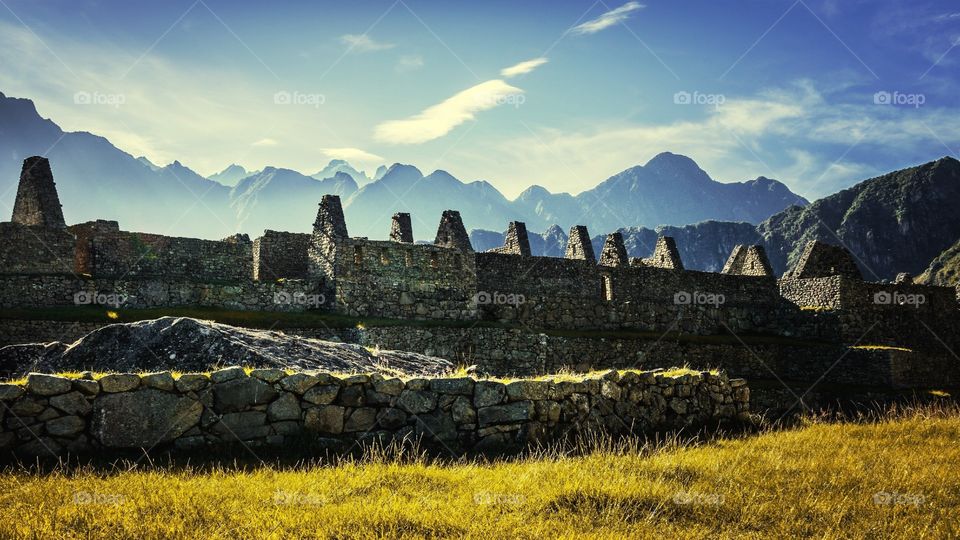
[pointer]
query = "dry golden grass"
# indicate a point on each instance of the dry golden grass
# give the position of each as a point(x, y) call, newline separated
point(819, 480)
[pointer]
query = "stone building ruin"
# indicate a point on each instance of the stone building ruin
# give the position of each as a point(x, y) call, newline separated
point(506, 301)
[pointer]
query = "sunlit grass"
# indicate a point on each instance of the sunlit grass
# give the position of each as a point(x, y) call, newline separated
point(880, 348)
point(894, 477)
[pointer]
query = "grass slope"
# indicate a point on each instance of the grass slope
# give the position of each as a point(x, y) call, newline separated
point(821, 480)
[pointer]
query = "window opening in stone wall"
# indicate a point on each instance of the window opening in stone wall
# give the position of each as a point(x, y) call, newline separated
point(607, 285)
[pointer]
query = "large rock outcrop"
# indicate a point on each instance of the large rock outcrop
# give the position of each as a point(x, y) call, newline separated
point(184, 344)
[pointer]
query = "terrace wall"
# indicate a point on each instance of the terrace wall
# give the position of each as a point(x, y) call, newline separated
point(48, 416)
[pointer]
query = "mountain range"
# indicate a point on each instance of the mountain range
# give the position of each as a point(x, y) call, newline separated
point(898, 222)
point(98, 180)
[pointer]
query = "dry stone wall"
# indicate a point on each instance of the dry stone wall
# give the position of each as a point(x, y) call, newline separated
point(279, 254)
point(20, 291)
point(552, 293)
point(48, 415)
point(32, 250)
point(131, 254)
point(394, 279)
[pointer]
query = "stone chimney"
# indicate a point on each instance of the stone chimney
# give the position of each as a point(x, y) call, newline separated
point(330, 222)
point(614, 252)
point(400, 228)
point(820, 259)
point(516, 242)
point(665, 255)
point(748, 261)
point(578, 244)
point(37, 202)
point(452, 233)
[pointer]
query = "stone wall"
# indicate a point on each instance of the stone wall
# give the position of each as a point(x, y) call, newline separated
point(571, 294)
point(26, 249)
point(396, 279)
point(279, 254)
point(122, 254)
point(897, 314)
point(49, 415)
point(19, 291)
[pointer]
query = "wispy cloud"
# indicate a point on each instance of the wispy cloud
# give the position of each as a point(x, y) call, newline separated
point(407, 63)
point(265, 142)
point(523, 67)
point(364, 43)
point(438, 120)
point(608, 19)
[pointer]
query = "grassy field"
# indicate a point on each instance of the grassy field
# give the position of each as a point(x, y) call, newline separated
point(892, 477)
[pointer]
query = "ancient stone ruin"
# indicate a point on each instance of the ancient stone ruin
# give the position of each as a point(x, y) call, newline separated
point(37, 202)
point(505, 311)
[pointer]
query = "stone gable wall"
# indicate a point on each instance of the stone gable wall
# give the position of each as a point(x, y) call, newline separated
point(49, 416)
point(279, 255)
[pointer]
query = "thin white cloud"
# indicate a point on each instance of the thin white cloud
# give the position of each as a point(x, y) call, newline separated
point(608, 19)
point(364, 43)
point(407, 63)
point(523, 67)
point(265, 142)
point(438, 120)
point(355, 156)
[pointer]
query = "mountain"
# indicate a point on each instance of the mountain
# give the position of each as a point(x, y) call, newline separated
point(231, 175)
point(340, 166)
point(672, 190)
point(893, 223)
point(944, 270)
point(98, 181)
point(283, 199)
point(405, 189)
point(148, 163)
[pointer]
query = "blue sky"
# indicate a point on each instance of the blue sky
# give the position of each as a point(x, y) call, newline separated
point(562, 94)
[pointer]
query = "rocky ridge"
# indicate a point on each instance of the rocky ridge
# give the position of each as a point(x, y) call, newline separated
point(185, 344)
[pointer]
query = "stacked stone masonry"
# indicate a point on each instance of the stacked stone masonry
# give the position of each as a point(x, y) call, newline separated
point(822, 299)
point(49, 415)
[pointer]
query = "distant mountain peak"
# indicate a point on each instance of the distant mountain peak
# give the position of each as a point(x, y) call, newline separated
point(670, 162)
